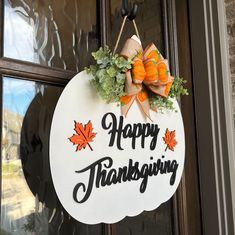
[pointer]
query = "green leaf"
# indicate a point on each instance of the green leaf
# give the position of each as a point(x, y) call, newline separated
point(112, 72)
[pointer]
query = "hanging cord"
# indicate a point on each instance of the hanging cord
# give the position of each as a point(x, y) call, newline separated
point(120, 33)
point(136, 29)
point(121, 30)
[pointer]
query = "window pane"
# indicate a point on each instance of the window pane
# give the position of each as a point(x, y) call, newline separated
point(57, 33)
point(21, 210)
point(29, 204)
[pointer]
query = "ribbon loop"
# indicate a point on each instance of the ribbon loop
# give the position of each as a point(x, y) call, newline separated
point(150, 72)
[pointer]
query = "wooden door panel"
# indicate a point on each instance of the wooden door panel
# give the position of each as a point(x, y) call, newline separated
point(158, 221)
point(150, 23)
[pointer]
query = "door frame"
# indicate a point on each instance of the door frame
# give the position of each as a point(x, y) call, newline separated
point(186, 202)
point(204, 64)
point(189, 189)
point(213, 113)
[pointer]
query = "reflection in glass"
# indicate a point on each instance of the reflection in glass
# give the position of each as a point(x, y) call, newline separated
point(17, 200)
point(21, 212)
point(57, 33)
point(29, 205)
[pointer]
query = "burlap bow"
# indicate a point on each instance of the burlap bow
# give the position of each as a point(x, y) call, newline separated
point(150, 72)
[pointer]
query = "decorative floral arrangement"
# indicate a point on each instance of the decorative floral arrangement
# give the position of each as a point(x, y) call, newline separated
point(109, 74)
point(135, 73)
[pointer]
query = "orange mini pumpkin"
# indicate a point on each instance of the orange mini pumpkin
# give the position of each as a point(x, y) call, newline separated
point(163, 74)
point(154, 55)
point(138, 70)
point(151, 70)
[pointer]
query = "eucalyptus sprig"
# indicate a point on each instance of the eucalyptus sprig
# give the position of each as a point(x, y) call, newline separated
point(109, 74)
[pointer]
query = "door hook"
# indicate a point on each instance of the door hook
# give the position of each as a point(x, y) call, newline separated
point(125, 10)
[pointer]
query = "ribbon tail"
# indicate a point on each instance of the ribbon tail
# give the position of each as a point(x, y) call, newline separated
point(143, 101)
point(126, 103)
point(130, 87)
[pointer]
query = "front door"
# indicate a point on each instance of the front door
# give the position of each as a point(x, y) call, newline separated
point(43, 44)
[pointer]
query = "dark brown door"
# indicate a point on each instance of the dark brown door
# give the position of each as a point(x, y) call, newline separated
point(43, 45)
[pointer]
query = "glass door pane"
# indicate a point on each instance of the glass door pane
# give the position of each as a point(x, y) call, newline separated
point(29, 204)
point(57, 33)
point(22, 211)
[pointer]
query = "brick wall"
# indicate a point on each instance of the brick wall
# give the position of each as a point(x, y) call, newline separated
point(230, 13)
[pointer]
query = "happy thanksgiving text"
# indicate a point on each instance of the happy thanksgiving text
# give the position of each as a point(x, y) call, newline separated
point(102, 173)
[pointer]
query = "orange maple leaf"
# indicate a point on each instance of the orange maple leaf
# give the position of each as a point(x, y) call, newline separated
point(84, 135)
point(170, 140)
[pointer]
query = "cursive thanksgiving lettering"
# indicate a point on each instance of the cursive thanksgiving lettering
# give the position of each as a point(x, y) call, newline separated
point(101, 174)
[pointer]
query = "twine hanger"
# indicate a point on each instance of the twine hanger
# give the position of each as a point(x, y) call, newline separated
point(131, 17)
